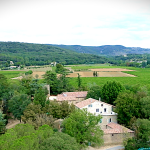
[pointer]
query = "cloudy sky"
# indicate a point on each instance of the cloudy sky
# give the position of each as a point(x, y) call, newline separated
point(76, 22)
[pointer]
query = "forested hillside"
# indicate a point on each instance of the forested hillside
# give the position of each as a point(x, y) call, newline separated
point(41, 54)
point(105, 50)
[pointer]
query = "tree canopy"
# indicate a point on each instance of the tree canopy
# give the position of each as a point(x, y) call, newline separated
point(110, 91)
point(84, 127)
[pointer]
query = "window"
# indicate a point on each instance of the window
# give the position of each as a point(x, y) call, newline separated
point(102, 105)
point(100, 121)
point(104, 109)
point(110, 120)
point(90, 105)
point(97, 110)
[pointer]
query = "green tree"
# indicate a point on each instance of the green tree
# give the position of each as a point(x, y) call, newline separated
point(40, 97)
point(60, 141)
point(2, 123)
point(142, 138)
point(17, 104)
point(145, 107)
point(83, 126)
point(60, 69)
point(51, 79)
point(4, 92)
point(127, 107)
point(25, 137)
point(94, 92)
point(110, 91)
point(79, 81)
point(30, 112)
point(41, 119)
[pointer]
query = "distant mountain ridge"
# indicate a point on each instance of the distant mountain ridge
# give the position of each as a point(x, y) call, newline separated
point(42, 54)
point(105, 50)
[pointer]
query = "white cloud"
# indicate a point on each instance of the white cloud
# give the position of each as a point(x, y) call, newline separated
point(90, 22)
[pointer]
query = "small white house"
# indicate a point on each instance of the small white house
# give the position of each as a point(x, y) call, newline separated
point(113, 132)
point(98, 107)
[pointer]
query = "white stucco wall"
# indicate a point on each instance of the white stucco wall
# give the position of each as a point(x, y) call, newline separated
point(102, 108)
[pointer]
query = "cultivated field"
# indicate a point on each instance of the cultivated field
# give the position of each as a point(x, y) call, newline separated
point(142, 75)
point(103, 72)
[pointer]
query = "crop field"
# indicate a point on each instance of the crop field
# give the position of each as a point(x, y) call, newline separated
point(142, 77)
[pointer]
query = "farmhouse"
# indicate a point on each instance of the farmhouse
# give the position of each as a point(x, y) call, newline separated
point(71, 97)
point(113, 132)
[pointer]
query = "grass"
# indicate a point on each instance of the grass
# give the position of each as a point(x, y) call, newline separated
point(12, 73)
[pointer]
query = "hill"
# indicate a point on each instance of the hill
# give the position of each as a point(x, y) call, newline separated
point(105, 50)
point(41, 54)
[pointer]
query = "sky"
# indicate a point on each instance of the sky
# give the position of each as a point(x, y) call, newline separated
point(76, 22)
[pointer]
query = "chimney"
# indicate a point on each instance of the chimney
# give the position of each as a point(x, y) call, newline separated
point(99, 99)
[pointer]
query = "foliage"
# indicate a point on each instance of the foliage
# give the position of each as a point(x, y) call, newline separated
point(51, 79)
point(127, 107)
point(79, 81)
point(60, 141)
point(142, 138)
point(83, 126)
point(145, 107)
point(59, 110)
point(94, 92)
point(40, 97)
point(4, 92)
point(34, 115)
point(24, 137)
point(30, 112)
point(42, 54)
point(17, 104)
point(28, 72)
point(2, 123)
point(110, 91)
point(60, 69)
point(41, 119)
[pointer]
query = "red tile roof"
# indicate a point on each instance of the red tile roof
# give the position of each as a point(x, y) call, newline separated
point(76, 94)
point(67, 98)
point(85, 103)
point(116, 128)
point(71, 96)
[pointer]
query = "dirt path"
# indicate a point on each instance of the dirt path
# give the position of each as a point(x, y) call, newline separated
point(12, 123)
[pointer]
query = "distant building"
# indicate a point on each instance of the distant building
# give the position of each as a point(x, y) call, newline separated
point(53, 64)
point(11, 63)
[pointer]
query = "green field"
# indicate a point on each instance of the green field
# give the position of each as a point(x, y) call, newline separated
point(142, 77)
point(12, 74)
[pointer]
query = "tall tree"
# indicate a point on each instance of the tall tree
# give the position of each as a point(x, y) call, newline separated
point(94, 92)
point(83, 126)
point(40, 97)
point(127, 107)
point(17, 104)
point(110, 91)
point(60, 141)
point(141, 138)
point(2, 123)
point(79, 81)
point(51, 79)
